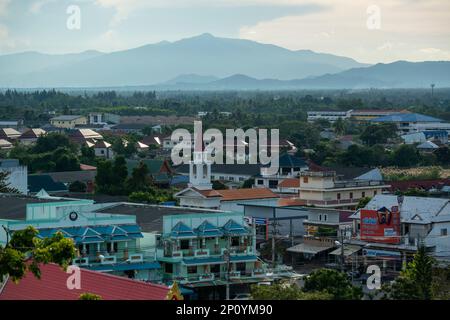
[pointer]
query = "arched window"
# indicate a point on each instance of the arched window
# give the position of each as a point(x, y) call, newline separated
point(194, 171)
point(205, 171)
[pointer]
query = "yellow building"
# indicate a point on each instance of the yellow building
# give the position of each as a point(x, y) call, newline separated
point(68, 122)
point(322, 189)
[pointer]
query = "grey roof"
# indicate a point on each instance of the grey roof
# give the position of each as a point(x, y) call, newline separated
point(67, 117)
point(406, 117)
point(71, 176)
point(413, 209)
point(427, 145)
point(150, 217)
point(14, 206)
point(350, 173)
point(240, 169)
point(372, 175)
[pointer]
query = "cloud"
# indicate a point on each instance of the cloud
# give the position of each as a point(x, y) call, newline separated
point(36, 6)
point(4, 7)
point(125, 8)
point(342, 28)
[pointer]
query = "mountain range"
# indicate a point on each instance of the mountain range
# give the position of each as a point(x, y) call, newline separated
point(206, 62)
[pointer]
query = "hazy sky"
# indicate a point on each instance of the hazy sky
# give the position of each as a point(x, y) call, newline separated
point(368, 31)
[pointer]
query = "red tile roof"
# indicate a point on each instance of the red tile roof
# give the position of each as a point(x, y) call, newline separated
point(290, 183)
point(52, 286)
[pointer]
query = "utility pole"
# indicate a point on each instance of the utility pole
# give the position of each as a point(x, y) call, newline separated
point(342, 250)
point(291, 234)
point(274, 232)
point(227, 259)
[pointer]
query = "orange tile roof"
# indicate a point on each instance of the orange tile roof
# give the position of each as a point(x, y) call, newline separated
point(246, 194)
point(291, 202)
point(290, 183)
point(208, 193)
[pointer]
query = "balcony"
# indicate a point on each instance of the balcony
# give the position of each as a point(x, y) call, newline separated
point(82, 261)
point(202, 253)
point(206, 277)
point(134, 258)
point(109, 260)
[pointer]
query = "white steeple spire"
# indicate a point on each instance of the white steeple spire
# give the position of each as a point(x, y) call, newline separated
point(199, 167)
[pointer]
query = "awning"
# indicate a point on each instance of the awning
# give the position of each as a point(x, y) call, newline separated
point(348, 250)
point(307, 248)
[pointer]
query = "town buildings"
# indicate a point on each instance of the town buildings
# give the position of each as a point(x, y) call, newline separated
point(9, 134)
point(413, 122)
point(200, 194)
point(68, 121)
point(205, 251)
point(31, 135)
point(288, 167)
point(330, 116)
point(110, 243)
point(354, 115)
point(323, 189)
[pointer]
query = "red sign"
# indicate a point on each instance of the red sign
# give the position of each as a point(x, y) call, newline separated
point(381, 225)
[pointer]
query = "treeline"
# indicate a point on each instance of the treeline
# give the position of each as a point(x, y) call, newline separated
point(113, 179)
point(254, 108)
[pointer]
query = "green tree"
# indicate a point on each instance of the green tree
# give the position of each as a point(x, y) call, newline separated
point(119, 176)
point(77, 186)
point(139, 179)
point(415, 281)
point(51, 142)
point(405, 156)
point(285, 291)
point(333, 282)
point(248, 183)
point(87, 155)
point(25, 252)
point(339, 126)
point(5, 186)
point(89, 296)
point(104, 177)
point(378, 134)
point(363, 202)
point(442, 155)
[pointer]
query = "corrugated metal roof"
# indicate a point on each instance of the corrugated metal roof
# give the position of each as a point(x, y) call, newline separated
point(406, 117)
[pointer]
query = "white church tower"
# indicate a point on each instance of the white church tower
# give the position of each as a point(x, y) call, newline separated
point(200, 167)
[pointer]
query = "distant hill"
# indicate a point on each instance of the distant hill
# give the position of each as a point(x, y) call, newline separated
point(162, 62)
point(192, 79)
point(399, 74)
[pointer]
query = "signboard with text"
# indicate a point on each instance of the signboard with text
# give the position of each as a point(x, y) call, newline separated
point(381, 225)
